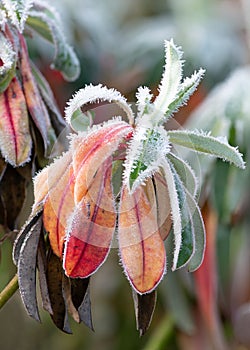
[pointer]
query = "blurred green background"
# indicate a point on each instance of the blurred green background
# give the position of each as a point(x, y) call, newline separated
point(120, 44)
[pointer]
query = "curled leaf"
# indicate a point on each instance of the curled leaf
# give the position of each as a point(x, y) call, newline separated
point(141, 247)
point(15, 139)
point(45, 21)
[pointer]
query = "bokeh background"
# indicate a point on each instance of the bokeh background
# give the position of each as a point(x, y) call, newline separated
point(120, 44)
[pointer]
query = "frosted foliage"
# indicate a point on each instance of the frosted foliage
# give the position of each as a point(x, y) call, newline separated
point(7, 55)
point(18, 11)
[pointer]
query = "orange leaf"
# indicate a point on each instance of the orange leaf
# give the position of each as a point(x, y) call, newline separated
point(141, 247)
point(92, 226)
point(15, 139)
point(92, 152)
point(58, 207)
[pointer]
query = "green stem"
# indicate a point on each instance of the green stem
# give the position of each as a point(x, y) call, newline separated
point(8, 291)
point(162, 335)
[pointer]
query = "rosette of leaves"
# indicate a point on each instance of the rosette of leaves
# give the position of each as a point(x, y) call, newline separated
point(29, 116)
point(117, 177)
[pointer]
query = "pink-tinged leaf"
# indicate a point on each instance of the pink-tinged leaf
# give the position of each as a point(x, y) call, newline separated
point(58, 207)
point(99, 145)
point(48, 178)
point(141, 246)
point(91, 228)
point(34, 101)
point(15, 139)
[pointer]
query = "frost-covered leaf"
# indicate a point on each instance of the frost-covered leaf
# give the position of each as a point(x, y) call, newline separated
point(44, 20)
point(34, 101)
point(27, 269)
point(146, 150)
point(88, 155)
point(205, 143)
point(8, 62)
point(199, 234)
point(171, 78)
point(185, 172)
point(175, 208)
point(92, 94)
point(91, 227)
point(58, 207)
point(144, 97)
point(141, 247)
point(55, 286)
point(15, 139)
point(144, 308)
point(17, 11)
point(186, 89)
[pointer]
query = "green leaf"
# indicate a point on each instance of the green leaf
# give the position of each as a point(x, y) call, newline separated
point(8, 67)
point(185, 172)
point(45, 22)
point(199, 234)
point(17, 12)
point(204, 143)
point(187, 230)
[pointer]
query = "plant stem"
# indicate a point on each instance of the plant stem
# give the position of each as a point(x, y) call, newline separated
point(8, 291)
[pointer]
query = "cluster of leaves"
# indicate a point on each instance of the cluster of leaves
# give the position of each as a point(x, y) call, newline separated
point(80, 200)
point(29, 117)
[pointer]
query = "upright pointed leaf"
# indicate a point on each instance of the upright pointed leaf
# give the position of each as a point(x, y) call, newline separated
point(44, 20)
point(27, 270)
point(141, 247)
point(15, 139)
point(144, 309)
point(91, 228)
point(204, 143)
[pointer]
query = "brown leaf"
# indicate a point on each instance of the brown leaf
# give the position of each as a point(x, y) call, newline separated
point(144, 309)
point(55, 288)
point(27, 269)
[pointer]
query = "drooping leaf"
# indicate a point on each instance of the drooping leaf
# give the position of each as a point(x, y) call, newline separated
point(185, 172)
point(15, 139)
point(199, 234)
point(8, 59)
point(205, 143)
point(27, 270)
point(141, 247)
point(144, 309)
point(90, 95)
point(34, 101)
point(55, 288)
point(91, 228)
point(81, 300)
point(42, 268)
point(48, 178)
point(45, 21)
point(31, 222)
point(94, 149)
point(18, 12)
point(58, 207)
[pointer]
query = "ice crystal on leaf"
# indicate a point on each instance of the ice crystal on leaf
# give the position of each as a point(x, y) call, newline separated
point(156, 194)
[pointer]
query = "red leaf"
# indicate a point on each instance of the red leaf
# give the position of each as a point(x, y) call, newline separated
point(92, 226)
point(92, 152)
point(58, 207)
point(141, 246)
point(15, 139)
